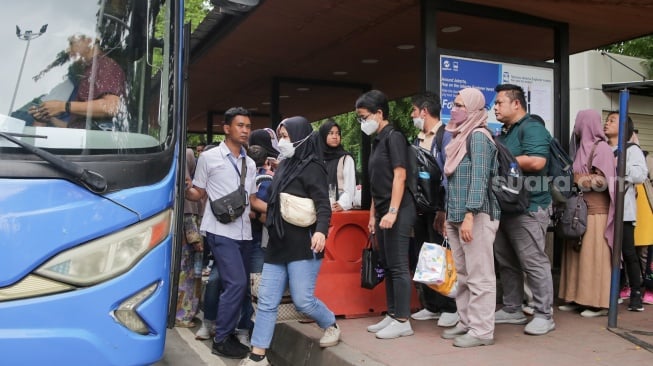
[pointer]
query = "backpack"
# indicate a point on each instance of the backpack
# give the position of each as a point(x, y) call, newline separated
point(571, 222)
point(423, 179)
point(428, 189)
point(508, 182)
point(570, 219)
point(560, 170)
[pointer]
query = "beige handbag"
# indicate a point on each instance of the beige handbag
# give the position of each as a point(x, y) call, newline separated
point(296, 210)
point(286, 311)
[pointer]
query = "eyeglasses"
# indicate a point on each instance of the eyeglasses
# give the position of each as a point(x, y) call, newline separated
point(363, 119)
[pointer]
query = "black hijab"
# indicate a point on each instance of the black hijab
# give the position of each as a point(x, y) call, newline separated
point(262, 138)
point(331, 155)
point(307, 150)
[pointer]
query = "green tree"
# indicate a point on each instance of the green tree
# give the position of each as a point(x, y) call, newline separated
point(351, 133)
point(638, 47)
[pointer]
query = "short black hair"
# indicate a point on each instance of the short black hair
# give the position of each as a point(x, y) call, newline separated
point(232, 112)
point(513, 92)
point(429, 101)
point(258, 154)
point(374, 100)
point(630, 125)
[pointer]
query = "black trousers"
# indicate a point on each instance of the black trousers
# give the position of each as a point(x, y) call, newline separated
point(631, 260)
point(424, 232)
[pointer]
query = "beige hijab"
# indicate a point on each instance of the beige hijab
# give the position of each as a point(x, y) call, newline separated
point(476, 117)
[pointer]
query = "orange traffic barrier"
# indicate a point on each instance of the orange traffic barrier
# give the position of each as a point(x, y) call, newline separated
point(339, 281)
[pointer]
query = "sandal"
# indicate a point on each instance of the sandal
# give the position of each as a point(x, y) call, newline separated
point(184, 324)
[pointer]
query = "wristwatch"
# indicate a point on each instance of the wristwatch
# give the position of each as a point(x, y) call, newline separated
point(392, 210)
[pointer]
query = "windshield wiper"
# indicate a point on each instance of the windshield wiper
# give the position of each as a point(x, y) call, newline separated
point(89, 179)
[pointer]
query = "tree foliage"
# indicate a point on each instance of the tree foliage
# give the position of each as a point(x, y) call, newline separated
point(638, 47)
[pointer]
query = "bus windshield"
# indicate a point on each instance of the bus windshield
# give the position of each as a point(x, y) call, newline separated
point(80, 77)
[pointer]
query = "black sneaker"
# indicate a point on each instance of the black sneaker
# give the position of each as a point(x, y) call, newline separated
point(635, 301)
point(236, 342)
point(226, 348)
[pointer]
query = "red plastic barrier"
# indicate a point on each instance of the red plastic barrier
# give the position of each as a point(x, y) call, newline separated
point(338, 283)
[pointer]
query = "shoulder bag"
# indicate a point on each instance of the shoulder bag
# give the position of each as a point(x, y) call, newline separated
point(231, 206)
point(298, 211)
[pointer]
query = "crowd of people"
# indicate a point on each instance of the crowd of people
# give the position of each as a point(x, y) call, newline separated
point(295, 162)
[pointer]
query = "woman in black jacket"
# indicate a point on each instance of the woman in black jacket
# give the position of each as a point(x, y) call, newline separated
point(294, 253)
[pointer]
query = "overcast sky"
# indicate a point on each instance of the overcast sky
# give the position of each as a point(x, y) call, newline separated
point(64, 18)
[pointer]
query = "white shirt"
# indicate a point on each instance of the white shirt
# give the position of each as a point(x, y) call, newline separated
point(218, 172)
point(636, 172)
point(346, 194)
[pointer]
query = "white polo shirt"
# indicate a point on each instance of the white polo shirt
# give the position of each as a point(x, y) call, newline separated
point(218, 172)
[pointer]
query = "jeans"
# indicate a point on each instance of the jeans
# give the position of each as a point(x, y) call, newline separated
point(213, 288)
point(300, 276)
point(232, 263)
point(394, 245)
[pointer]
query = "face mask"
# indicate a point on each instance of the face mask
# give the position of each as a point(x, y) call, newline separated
point(369, 126)
point(458, 116)
point(286, 149)
point(419, 123)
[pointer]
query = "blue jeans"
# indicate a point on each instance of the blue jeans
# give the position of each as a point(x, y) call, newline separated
point(213, 288)
point(300, 277)
point(232, 262)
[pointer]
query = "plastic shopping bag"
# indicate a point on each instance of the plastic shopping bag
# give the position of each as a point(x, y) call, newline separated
point(431, 264)
point(449, 286)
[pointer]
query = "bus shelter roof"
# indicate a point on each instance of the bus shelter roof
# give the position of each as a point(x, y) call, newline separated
point(322, 54)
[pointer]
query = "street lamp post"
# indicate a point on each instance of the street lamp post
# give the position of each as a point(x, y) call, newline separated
point(28, 36)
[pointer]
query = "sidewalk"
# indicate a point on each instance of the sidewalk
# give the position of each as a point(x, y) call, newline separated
point(575, 341)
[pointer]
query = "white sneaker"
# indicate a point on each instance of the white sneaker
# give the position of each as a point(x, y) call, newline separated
point(425, 314)
point(243, 337)
point(249, 362)
point(204, 332)
point(568, 307)
point(448, 319)
point(395, 329)
point(380, 325)
point(454, 332)
point(587, 313)
point(331, 336)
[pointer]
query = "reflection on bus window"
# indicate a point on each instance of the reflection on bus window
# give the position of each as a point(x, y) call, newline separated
point(98, 87)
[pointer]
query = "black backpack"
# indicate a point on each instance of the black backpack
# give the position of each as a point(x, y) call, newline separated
point(560, 171)
point(507, 184)
point(424, 179)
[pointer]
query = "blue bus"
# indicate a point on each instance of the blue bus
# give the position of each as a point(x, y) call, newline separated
point(92, 135)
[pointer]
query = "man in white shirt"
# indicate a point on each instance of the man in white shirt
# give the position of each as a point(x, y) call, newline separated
point(217, 174)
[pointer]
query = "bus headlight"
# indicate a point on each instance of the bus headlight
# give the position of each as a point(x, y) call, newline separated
point(126, 313)
point(110, 256)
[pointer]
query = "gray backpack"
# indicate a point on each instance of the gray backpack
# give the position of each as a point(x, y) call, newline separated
point(571, 219)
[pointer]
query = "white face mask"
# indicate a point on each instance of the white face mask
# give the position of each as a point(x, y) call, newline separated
point(419, 123)
point(286, 149)
point(369, 126)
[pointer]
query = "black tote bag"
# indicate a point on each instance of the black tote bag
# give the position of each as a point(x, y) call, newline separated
point(371, 271)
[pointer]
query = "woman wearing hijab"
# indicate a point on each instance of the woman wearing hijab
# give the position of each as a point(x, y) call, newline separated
point(472, 219)
point(586, 273)
point(267, 139)
point(294, 254)
point(340, 166)
point(392, 212)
